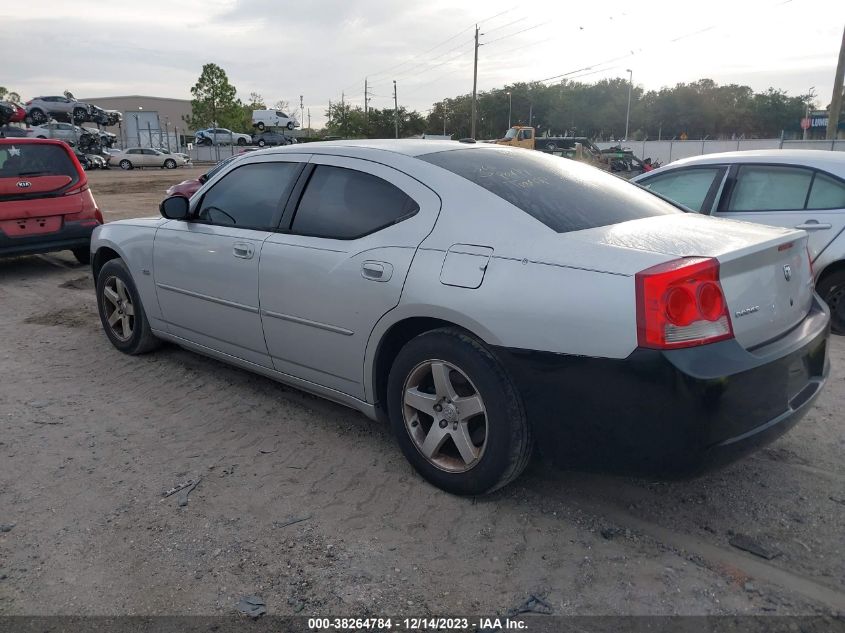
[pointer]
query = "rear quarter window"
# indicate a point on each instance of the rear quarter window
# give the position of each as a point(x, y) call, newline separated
point(561, 193)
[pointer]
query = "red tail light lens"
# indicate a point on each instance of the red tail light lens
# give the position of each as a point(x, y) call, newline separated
point(681, 304)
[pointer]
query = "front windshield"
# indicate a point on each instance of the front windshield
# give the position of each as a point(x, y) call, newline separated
point(511, 133)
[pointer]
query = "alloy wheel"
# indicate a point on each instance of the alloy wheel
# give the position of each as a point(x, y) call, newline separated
point(445, 416)
point(117, 304)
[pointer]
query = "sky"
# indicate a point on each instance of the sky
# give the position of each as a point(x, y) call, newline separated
point(323, 49)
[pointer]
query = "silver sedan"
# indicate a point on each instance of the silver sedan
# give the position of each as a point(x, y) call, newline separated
point(483, 300)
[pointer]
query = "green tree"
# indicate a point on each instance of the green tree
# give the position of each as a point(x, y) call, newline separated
point(9, 95)
point(214, 101)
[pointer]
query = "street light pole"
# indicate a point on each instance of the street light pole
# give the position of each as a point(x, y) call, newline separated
point(510, 108)
point(628, 113)
point(810, 96)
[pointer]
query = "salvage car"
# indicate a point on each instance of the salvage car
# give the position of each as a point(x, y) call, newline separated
point(221, 136)
point(11, 113)
point(62, 131)
point(189, 187)
point(802, 189)
point(482, 299)
point(133, 157)
point(45, 202)
point(61, 108)
point(269, 137)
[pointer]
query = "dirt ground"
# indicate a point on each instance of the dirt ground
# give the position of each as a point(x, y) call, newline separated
point(313, 508)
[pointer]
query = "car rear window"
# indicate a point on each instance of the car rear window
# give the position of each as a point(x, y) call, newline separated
point(35, 159)
point(562, 194)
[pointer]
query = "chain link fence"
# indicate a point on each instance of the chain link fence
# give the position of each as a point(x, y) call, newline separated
point(668, 151)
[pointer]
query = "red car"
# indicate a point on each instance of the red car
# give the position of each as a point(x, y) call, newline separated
point(187, 188)
point(45, 202)
point(11, 112)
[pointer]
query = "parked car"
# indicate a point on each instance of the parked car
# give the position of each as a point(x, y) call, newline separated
point(272, 118)
point(63, 131)
point(41, 109)
point(189, 187)
point(107, 139)
point(803, 189)
point(9, 131)
point(501, 298)
point(221, 136)
point(143, 157)
point(272, 138)
point(96, 161)
point(45, 202)
point(11, 113)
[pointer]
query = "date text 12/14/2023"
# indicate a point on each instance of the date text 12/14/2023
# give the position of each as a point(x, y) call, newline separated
point(415, 624)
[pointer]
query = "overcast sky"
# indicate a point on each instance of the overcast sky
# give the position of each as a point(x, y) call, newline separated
point(320, 48)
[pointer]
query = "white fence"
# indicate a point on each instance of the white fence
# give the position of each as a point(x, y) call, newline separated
point(667, 151)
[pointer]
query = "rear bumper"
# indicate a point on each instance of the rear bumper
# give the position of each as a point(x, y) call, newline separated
point(672, 413)
point(71, 235)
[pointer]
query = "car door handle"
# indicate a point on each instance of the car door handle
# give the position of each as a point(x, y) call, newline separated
point(376, 271)
point(813, 225)
point(244, 250)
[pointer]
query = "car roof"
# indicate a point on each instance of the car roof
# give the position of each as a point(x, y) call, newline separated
point(409, 147)
point(32, 141)
point(827, 160)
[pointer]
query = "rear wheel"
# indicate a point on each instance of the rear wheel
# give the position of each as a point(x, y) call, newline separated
point(832, 290)
point(79, 115)
point(170, 163)
point(262, 143)
point(456, 414)
point(125, 164)
point(242, 141)
point(121, 311)
point(83, 255)
point(260, 126)
point(290, 125)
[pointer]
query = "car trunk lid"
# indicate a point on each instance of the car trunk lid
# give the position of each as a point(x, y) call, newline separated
point(764, 271)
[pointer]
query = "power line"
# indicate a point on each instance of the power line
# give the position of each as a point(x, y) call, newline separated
point(504, 37)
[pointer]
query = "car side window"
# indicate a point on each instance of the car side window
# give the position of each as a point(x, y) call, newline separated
point(769, 188)
point(133, 151)
point(344, 204)
point(249, 196)
point(826, 193)
point(688, 187)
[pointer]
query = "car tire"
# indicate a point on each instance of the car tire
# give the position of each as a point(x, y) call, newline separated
point(40, 136)
point(497, 440)
point(125, 164)
point(37, 116)
point(262, 143)
point(79, 115)
point(260, 126)
point(290, 125)
point(170, 163)
point(832, 290)
point(241, 141)
point(130, 334)
point(82, 255)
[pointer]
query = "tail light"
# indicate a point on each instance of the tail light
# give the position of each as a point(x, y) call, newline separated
point(681, 304)
point(28, 102)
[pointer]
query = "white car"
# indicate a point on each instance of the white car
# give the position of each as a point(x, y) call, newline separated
point(272, 118)
point(63, 131)
point(221, 136)
point(480, 298)
point(144, 157)
point(801, 189)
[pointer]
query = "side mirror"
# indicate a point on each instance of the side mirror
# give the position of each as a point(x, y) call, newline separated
point(203, 179)
point(174, 208)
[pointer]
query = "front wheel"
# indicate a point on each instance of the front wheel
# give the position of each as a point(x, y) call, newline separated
point(262, 143)
point(290, 125)
point(170, 163)
point(121, 311)
point(832, 290)
point(241, 141)
point(260, 126)
point(456, 414)
point(125, 164)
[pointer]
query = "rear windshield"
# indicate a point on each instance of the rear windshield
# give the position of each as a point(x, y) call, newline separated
point(35, 159)
point(562, 194)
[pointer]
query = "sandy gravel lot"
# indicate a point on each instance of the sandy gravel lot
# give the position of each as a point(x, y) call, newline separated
point(312, 507)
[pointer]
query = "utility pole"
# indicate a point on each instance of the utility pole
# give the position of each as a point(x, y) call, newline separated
point(342, 114)
point(836, 101)
point(510, 108)
point(474, 85)
point(366, 103)
point(444, 119)
point(395, 109)
point(630, 88)
point(309, 120)
point(330, 113)
point(301, 111)
point(810, 96)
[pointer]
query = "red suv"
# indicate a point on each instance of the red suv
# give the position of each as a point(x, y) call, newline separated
point(45, 202)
